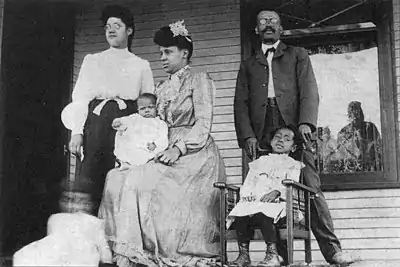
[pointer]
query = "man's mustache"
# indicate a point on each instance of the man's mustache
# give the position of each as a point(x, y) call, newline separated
point(269, 29)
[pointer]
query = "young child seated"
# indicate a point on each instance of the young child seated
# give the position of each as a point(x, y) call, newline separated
point(259, 196)
point(141, 136)
point(73, 239)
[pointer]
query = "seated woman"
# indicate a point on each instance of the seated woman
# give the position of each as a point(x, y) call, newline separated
point(165, 212)
point(259, 196)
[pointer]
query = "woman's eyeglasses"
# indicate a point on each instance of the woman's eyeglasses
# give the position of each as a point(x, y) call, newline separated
point(116, 26)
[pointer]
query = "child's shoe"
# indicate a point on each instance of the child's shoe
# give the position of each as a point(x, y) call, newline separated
point(243, 260)
point(271, 257)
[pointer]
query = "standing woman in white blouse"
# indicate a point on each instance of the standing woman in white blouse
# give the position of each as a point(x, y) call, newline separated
point(108, 85)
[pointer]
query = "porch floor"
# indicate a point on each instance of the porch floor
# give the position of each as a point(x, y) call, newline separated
point(371, 263)
point(388, 263)
point(7, 262)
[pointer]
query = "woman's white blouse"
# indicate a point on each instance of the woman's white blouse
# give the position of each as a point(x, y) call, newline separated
point(111, 74)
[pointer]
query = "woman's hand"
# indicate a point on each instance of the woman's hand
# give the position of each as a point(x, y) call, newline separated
point(271, 196)
point(169, 156)
point(75, 144)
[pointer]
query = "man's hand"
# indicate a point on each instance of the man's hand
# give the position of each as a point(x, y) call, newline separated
point(169, 156)
point(305, 132)
point(151, 146)
point(271, 196)
point(75, 144)
point(251, 147)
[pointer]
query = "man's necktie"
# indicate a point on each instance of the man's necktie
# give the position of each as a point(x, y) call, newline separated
point(272, 50)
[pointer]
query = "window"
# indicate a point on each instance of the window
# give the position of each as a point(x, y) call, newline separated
point(351, 53)
point(349, 126)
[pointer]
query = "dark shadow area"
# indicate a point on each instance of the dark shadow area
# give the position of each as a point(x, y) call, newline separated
point(37, 56)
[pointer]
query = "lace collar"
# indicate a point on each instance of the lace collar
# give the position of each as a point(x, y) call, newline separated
point(180, 74)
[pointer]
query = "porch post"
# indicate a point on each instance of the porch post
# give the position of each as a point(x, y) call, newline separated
point(2, 131)
point(396, 48)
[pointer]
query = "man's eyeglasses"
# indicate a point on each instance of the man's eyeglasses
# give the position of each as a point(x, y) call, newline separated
point(267, 20)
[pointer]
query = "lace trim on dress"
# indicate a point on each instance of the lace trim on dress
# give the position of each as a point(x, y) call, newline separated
point(168, 91)
point(121, 258)
point(148, 259)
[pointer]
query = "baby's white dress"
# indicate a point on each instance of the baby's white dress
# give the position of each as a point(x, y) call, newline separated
point(134, 135)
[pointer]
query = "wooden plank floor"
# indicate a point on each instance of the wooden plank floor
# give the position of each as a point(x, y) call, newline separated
point(7, 262)
point(389, 263)
point(358, 264)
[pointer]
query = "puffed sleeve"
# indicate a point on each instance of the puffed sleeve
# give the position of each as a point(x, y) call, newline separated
point(147, 79)
point(82, 94)
point(203, 98)
point(51, 224)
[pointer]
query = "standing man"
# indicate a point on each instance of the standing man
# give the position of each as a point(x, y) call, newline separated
point(287, 93)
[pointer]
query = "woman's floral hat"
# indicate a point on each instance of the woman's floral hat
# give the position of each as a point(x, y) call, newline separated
point(179, 28)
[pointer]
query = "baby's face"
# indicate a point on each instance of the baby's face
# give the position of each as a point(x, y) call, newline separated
point(75, 202)
point(146, 108)
point(283, 141)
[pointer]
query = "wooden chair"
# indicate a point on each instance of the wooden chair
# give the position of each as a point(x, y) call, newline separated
point(298, 197)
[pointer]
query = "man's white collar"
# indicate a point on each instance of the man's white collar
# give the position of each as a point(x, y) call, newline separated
point(264, 47)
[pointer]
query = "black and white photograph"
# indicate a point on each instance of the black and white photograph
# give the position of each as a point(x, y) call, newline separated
point(200, 133)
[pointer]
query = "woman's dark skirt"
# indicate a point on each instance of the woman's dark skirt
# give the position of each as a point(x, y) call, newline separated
point(98, 145)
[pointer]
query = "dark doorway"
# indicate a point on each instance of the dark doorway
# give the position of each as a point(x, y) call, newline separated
point(37, 57)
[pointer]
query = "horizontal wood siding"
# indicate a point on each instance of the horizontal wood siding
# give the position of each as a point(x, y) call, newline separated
point(215, 29)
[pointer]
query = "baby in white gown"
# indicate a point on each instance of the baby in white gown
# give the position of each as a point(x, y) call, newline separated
point(73, 239)
point(140, 137)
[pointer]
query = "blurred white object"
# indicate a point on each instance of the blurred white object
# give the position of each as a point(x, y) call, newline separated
point(74, 239)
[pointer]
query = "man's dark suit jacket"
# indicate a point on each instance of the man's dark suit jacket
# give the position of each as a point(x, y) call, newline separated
point(295, 88)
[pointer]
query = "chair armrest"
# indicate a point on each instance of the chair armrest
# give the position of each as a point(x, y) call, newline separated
point(288, 182)
point(223, 185)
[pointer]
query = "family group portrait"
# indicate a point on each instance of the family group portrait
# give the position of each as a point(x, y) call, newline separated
point(199, 133)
